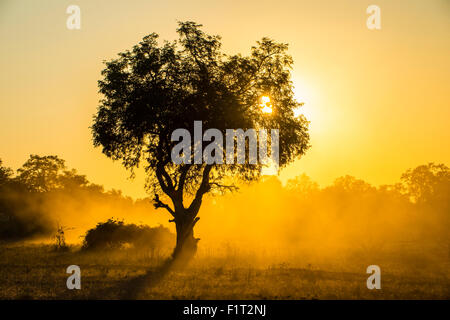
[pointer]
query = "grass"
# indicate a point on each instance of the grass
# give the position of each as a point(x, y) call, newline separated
point(38, 272)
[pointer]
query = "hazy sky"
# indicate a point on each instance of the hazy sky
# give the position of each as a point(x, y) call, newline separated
point(378, 100)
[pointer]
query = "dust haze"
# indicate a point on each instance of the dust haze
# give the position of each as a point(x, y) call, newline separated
point(344, 226)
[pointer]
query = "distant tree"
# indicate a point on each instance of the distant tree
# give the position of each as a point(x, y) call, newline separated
point(70, 179)
point(351, 184)
point(302, 184)
point(153, 90)
point(428, 186)
point(5, 174)
point(45, 193)
point(46, 173)
point(40, 174)
point(428, 183)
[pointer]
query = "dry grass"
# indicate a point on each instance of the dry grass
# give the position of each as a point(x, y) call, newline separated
point(37, 272)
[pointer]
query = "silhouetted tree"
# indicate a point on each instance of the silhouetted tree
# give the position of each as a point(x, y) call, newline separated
point(428, 183)
point(302, 184)
point(5, 174)
point(46, 173)
point(152, 90)
point(429, 187)
point(40, 174)
point(70, 179)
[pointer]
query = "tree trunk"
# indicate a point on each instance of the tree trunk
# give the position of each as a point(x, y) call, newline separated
point(186, 246)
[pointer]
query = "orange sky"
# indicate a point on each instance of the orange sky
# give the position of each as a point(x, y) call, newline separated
point(378, 100)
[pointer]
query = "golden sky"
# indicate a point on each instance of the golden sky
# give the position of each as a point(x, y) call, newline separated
point(378, 100)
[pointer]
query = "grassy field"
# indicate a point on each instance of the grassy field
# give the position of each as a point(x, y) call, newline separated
point(38, 272)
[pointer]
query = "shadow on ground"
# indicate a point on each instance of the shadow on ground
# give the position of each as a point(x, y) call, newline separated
point(134, 288)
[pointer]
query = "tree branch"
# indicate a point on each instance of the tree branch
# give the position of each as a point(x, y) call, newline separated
point(202, 189)
point(159, 204)
point(164, 180)
point(222, 188)
point(182, 180)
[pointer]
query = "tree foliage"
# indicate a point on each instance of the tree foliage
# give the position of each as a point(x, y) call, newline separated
point(28, 199)
point(428, 182)
point(5, 174)
point(152, 90)
point(46, 173)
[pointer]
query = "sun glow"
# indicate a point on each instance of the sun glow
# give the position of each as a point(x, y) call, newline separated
point(266, 105)
point(297, 112)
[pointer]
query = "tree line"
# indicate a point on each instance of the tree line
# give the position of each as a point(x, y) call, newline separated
point(44, 194)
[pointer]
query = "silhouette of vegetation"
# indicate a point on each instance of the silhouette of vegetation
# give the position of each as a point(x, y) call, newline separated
point(152, 90)
point(297, 231)
point(115, 234)
point(5, 174)
point(23, 197)
point(427, 183)
point(415, 210)
point(60, 239)
point(19, 217)
point(351, 214)
point(44, 192)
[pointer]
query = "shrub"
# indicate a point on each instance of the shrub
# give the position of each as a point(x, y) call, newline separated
point(114, 234)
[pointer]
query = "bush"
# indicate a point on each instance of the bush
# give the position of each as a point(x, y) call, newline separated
point(115, 234)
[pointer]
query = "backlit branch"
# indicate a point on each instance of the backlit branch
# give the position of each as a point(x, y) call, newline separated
point(157, 203)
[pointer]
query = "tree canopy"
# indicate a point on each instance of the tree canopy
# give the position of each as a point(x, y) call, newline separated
point(45, 173)
point(153, 89)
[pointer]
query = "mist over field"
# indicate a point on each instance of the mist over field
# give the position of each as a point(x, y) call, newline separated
point(345, 225)
point(292, 241)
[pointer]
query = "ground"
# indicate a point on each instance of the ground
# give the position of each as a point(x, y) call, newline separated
point(38, 272)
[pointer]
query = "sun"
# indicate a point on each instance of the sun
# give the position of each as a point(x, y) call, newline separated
point(266, 105)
